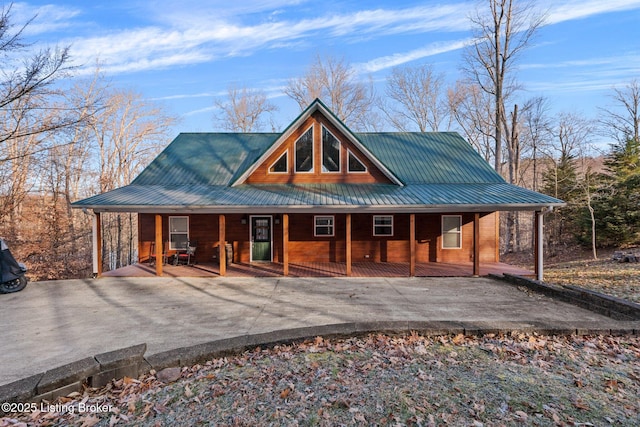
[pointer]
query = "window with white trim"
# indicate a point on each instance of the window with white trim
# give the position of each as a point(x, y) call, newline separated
point(383, 225)
point(354, 164)
point(304, 152)
point(323, 225)
point(281, 165)
point(178, 232)
point(451, 231)
point(330, 152)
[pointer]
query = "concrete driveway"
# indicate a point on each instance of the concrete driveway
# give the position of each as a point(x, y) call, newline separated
point(53, 323)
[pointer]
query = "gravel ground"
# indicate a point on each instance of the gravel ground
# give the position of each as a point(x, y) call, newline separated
point(519, 379)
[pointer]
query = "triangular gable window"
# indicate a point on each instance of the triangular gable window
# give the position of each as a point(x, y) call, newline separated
point(281, 165)
point(304, 152)
point(330, 152)
point(355, 165)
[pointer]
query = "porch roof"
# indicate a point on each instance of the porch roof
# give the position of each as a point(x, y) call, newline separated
point(274, 198)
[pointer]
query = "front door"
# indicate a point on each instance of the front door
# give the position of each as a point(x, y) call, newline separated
point(260, 238)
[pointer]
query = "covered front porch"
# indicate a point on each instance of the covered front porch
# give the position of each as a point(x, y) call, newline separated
point(320, 269)
point(419, 252)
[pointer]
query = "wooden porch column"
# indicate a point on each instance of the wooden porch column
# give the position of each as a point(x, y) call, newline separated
point(412, 245)
point(285, 244)
point(476, 244)
point(539, 244)
point(97, 245)
point(159, 246)
point(348, 244)
point(222, 252)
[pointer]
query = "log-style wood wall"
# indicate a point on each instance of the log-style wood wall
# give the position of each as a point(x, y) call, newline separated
point(303, 246)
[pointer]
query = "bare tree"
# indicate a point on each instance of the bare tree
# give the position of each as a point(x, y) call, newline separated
point(622, 120)
point(32, 112)
point(66, 165)
point(243, 110)
point(472, 110)
point(536, 132)
point(569, 176)
point(335, 82)
point(415, 99)
point(127, 133)
point(29, 96)
point(500, 36)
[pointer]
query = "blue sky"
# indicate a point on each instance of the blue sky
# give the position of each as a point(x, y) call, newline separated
point(186, 53)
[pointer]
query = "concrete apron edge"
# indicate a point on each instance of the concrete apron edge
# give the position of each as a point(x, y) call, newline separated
point(99, 370)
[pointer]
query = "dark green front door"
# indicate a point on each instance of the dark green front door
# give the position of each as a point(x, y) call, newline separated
point(260, 238)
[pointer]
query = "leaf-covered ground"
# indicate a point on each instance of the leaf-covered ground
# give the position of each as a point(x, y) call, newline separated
point(520, 379)
point(610, 277)
point(576, 267)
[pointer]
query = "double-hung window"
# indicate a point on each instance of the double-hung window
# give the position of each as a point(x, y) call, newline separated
point(451, 231)
point(383, 225)
point(178, 232)
point(323, 225)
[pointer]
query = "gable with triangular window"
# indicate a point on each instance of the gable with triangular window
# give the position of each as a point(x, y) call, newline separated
point(316, 151)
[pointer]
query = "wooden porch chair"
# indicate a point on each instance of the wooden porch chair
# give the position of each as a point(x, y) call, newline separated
point(188, 257)
point(152, 253)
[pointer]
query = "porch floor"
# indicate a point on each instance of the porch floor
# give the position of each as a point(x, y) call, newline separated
point(319, 269)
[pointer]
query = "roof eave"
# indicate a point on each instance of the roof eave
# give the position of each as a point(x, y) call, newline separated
point(275, 209)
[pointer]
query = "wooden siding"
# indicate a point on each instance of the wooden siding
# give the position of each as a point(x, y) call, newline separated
point(203, 229)
point(261, 175)
point(304, 247)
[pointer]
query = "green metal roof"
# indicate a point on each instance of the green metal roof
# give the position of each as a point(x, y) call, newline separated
point(205, 158)
point(219, 158)
point(276, 197)
point(429, 158)
point(203, 172)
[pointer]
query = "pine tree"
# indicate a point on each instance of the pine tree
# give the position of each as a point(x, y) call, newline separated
point(561, 182)
point(618, 206)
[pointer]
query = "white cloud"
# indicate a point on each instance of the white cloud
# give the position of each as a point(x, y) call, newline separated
point(579, 9)
point(187, 96)
point(198, 42)
point(394, 60)
point(193, 33)
point(46, 18)
point(593, 74)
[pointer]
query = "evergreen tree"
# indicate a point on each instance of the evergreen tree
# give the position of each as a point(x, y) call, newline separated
point(561, 181)
point(618, 205)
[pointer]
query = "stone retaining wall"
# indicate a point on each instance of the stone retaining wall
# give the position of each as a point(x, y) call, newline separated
point(616, 308)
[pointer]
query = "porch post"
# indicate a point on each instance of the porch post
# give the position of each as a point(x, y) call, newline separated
point(476, 244)
point(539, 246)
point(159, 246)
point(348, 244)
point(222, 252)
point(97, 245)
point(412, 245)
point(285, 244)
